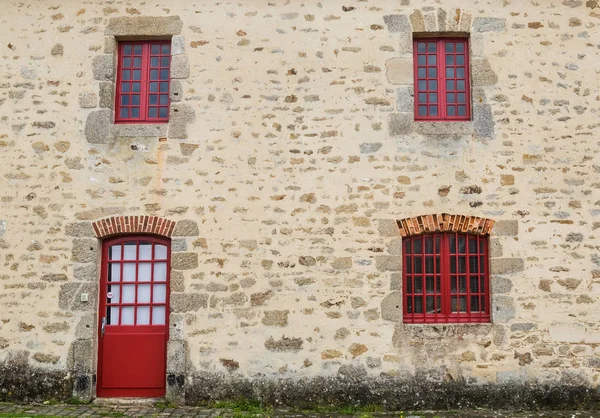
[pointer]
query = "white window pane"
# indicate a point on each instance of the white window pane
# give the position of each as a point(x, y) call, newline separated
point(158, 315)
point(144, 272)
point(130, 251)
point(129, 272)
point(160, 293)
point(115, 252)
point(112, 317)
point(143, 293)
point(116, 294)
point(127, 315)
point(114, 275)
point(143, 315)
point(129, 293)
point(160, 252)
point(160, 272)
point(146, 251)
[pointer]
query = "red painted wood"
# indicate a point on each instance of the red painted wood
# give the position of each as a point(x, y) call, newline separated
point(432, 94)
point(476, 289)
point(149, 51)
point(132, 357)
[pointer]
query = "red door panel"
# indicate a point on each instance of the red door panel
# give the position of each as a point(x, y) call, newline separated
point(134, 308)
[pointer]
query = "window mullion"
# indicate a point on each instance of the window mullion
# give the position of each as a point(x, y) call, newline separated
point(145, 81)
point(442, 78)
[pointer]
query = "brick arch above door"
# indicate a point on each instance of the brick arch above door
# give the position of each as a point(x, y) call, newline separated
point(142, 224)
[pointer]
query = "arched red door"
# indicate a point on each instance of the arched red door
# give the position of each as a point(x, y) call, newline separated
point(134, 317)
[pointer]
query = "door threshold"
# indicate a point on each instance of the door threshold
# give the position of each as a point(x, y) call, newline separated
point(127, 401)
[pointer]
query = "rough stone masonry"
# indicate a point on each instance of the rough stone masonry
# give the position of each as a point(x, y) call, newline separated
point(290, 153)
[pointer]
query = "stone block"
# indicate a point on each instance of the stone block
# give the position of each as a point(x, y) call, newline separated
point(405, 43)
point(125, 130)
point(107, 98)
point(86, 328)
point(184, 261)
point(501, 285)
point(180, 115)
point(186, 228)
point(441, 17)
point(523, 326)
point(482, 73)
point(394, 247)
point(483, 121)
point(370, 147)
point(69, 296)
point(180, 66)
point(399, 70)
point(396, 281)
point(465, 22)
point(103, 67)
point(175, 91)
point(98, 127)
point(177, 45)
point(342, 263)
point(397, 23)
point(406, 99)
point(57, 49)
point(85, 250)
point(495, 248)
point(275, 318)
point(488, 24)
point(430, 22)
point(179, 245)
point(80, 230)
point(177, 281)
point(82, 356)
point(506, 228)
point(88, 100)
point(188, 302)
point(176, 357)
point(144, 26)
point(388, 263)
point(476, 44)
point(391, 307)
point(110, 45)
point(506, 265)
point(177, 326)
point(86, 272)
point(400, 124)
point(388, 228)
point(417, 22)
point(503, 309)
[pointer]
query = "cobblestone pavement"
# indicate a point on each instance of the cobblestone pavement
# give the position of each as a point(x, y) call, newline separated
point(37, 410)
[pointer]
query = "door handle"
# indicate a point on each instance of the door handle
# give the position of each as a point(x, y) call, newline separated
point(103, 325)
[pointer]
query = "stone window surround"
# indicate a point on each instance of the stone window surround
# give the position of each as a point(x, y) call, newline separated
point(100, 127)
point(502, 307)
point(430, 21)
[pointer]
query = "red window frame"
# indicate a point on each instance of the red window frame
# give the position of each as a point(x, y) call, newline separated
point(143, 82)
point(445, 278)
point(442, 79)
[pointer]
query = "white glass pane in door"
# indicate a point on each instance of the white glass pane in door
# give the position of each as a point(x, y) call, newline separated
point(116, 294)
point(129, 272)
point(143, 315)
point(160, 293)
point(144, 272)
point(160, 272)
point(127, 315)
point(145, 251)
point(115, 252)
point(114, 275)
point(143, 295)
point(160, 252)
point(113, 315)
point(129, 293)
point(129, 251)
point(158, 315)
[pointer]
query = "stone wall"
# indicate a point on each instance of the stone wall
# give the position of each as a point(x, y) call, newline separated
point(290, 155)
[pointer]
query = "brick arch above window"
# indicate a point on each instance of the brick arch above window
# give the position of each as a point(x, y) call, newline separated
point(142, 224)
point(445, 222)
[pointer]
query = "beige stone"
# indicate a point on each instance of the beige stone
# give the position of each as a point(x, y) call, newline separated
point(399, 70)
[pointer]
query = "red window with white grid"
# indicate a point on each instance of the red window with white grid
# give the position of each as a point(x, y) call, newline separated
point(445, 278)
point(441, 67)
point(143, 82)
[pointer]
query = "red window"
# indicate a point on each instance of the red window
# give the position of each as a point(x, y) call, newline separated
point(441, 69)
point(143, 82)
point(446, 278)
